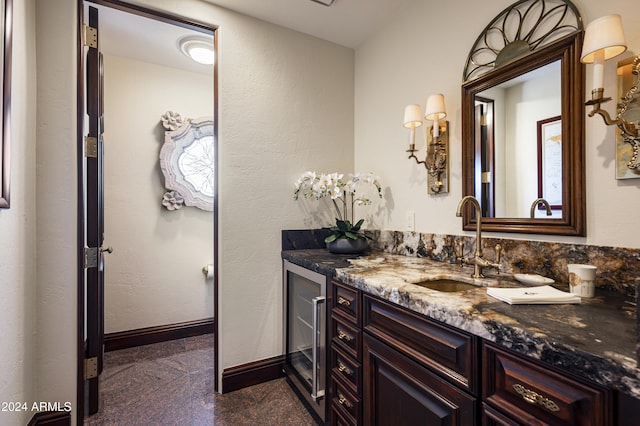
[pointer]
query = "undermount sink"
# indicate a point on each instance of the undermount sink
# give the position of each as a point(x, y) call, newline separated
point(446, 285)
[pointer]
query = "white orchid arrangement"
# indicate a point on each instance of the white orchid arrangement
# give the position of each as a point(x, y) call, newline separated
point(342, 194)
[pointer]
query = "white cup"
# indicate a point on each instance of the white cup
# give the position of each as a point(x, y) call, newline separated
point(582, 279)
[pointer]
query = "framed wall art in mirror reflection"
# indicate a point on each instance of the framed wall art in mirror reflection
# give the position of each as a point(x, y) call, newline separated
point(550, 161)
point(5, 97)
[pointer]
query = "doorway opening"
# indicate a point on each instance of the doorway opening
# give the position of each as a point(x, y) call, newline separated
point(154, 287)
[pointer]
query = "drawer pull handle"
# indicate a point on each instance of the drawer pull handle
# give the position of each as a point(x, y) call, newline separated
point(344, 302)
point(344, 401)
point(344, 369)
point(535, 398)
point(344, 336)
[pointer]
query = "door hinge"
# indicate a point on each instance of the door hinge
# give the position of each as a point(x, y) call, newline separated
point(90, 257)
point(91, 368)
point(90, 147)
point(90, 37)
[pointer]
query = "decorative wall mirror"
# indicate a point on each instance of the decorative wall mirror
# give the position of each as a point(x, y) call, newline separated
point(523, 121)
point(186, 160)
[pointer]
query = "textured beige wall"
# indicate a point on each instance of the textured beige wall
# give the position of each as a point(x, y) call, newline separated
point(286, 106)
point(56, 195)
point(17, 228)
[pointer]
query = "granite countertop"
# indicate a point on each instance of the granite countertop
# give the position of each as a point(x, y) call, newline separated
point(595, 339)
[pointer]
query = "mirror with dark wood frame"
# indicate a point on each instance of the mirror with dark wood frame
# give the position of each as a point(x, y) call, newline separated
point(488, 158)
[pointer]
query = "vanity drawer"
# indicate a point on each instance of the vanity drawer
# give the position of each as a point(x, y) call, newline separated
point(339, 419)
point(530, 393)
point(346, 302)
point(449, 352)
point(346, 336)
point(345, 403)
point(346, 369)
point(491, 417)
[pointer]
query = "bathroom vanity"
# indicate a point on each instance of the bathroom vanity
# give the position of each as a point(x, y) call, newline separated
point(402, 353)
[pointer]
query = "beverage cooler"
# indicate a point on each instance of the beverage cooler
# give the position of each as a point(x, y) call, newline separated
point(305, 334)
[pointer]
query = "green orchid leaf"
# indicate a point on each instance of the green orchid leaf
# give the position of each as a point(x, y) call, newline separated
point(343, 225)
point(331, 238)
point(351, 235)
point(357, 226)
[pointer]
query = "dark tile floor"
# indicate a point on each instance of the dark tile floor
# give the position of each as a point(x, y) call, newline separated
point(171, 383)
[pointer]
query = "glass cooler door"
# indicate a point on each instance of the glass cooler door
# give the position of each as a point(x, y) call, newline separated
point(305, 323)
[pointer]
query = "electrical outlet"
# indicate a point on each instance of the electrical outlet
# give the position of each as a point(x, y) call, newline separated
point(411, 221)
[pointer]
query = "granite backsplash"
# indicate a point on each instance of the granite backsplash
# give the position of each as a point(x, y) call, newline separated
point(618, 268)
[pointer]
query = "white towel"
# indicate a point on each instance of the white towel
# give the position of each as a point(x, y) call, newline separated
point(532, 295)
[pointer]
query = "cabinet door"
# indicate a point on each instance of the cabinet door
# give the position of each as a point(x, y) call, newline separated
point(399, 391)
point(449, 352)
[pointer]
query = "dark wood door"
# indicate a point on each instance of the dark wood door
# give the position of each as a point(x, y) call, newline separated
point(399, 391)
point(485, 156)
point(93, 215)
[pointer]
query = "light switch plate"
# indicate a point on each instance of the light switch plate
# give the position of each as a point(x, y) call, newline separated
point(411, 221)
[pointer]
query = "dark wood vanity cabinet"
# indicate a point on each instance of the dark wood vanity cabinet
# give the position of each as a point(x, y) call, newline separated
point(392, 366)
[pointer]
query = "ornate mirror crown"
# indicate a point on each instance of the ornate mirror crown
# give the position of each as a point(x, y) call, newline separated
point(522, 28)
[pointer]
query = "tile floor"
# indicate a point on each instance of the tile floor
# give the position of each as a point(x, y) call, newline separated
point(171, 383)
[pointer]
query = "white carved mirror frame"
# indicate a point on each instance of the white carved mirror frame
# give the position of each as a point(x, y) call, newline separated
point(186, 160)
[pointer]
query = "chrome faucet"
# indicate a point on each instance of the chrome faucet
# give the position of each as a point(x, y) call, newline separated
point(477, 260)
point(535, 204)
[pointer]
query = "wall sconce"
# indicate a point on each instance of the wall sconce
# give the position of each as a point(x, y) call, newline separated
point(437, 142)
point(604, 39)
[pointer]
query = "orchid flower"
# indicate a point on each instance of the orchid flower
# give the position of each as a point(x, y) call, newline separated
point(313, 185)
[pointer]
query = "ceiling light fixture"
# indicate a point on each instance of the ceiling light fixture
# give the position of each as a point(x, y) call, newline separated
point(324, 2)
point(198, 49)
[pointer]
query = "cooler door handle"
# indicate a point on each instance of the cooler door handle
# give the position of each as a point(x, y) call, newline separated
point(315, 392)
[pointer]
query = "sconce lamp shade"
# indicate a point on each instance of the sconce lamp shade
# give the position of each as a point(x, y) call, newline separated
point(412, 116)
point(435, 107)
point(603, 34)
